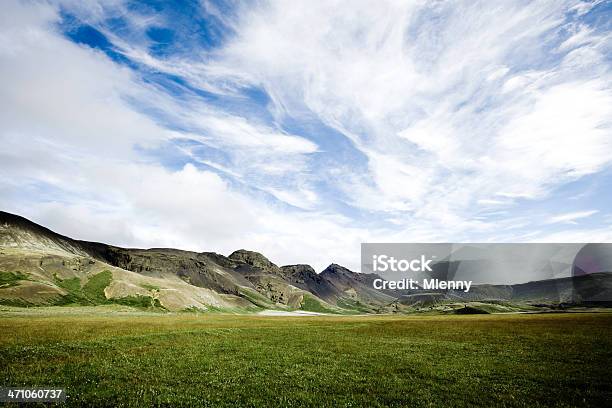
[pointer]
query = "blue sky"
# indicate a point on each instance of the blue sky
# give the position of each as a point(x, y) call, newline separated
point(300, 129)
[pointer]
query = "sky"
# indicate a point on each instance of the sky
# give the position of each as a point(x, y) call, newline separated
point(300, 129)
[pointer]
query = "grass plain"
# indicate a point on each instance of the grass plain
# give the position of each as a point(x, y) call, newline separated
point(111, 356)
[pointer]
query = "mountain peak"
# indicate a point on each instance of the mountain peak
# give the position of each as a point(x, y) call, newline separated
point(337, 269)
point(252, 258)
point(16, 231)
point(299, 269)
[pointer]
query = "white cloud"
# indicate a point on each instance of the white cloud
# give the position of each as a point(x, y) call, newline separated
point(457, 108)
point(237, 132)
point(580, 235)
point(68, 159)
point(571, 217)
point(583, 7)
point(404, 82)
point(52, 85)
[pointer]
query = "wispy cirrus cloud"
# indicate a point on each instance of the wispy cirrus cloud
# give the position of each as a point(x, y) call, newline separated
point(302, 128)
point(451, 105)
point(571, 217)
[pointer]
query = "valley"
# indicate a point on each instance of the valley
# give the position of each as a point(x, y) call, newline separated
point(113, 355)
point(39, 267)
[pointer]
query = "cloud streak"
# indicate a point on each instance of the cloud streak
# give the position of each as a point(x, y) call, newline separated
point(571, 217)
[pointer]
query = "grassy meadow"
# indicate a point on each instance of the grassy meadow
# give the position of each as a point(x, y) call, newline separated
point(107, 357)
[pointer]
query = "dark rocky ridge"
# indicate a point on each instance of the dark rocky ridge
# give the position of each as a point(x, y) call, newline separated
point(225, 275)
point(244, 271)
point(305, 277)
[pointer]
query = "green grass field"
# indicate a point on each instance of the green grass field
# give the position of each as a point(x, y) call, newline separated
point(146, 359)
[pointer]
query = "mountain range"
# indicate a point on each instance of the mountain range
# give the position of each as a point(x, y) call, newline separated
point(40, 267)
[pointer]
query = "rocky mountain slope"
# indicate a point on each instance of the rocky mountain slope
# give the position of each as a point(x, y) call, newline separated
point(595, 288)
point(41, 267)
